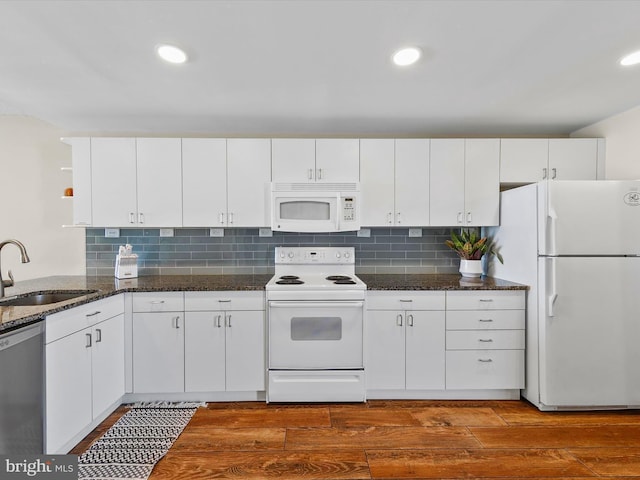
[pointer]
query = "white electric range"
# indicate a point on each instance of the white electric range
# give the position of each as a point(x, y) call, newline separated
point(315, 309)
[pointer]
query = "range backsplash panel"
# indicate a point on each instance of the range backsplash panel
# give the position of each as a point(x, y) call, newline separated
point(192, 251)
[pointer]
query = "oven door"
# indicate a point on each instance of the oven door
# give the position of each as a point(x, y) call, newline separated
point(305, 212)
point(315, 335)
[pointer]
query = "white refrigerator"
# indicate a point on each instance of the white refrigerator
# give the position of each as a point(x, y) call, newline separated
point(577, 245)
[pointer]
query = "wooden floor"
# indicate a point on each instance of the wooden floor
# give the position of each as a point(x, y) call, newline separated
point(399, 439)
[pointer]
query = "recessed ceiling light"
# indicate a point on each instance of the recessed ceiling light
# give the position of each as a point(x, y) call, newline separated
point(171, 53)
point(407, 56)
point(631, 59)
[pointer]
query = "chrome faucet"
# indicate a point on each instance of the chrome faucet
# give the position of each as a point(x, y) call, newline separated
point(23, 256)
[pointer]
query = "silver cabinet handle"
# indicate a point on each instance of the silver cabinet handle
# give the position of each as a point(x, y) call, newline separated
point(486, 300)
point(224, 301)
point(218, 318)
point(398, 218)
point(310, 174)
point(132, 218)
point(553, 173)
point(157, 302)
point(406, 300)
point(410, 320)
point(468, 217)
point(544, 173)
point(92, 314)
point(231, 218)
point(221, 218)
point(88, 338)
point(141, 218)
point(485, 340)
point(390, 217)
point(98, 335)
point(228, 317)
point(459, 217)
point(319, 174)
point(176, 321)
point(485, 320)
point(399, 320)
point(485, 360)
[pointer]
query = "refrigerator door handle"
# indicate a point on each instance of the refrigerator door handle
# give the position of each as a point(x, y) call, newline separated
point(552, 293)
point(552, 220)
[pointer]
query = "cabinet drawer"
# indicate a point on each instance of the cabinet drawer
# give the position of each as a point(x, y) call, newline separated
point(485, 340)
point(75, 319)
point(158, 302)
point(485, 319)
point(224, 300)
point(486, 300)
point(485, 369)
point(406, 300)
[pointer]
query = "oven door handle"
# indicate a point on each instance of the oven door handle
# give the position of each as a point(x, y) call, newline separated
point(329, 304)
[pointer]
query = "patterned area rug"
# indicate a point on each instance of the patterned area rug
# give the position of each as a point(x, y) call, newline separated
point(134, 444)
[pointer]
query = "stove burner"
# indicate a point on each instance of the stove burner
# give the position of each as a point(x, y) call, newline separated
point(289, 277)
point(339, 277)
point(344, 281)
point(289, 281)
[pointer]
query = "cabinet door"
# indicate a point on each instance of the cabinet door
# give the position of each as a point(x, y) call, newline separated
point(204, 358)
point(248, 182)
point(113, 182)
point(523, 160)
point(385, 348)
point(337, 160)
point(573, 158)
point(204, 181)
point(159, 169)
point(447, 182)
point(412, 182)
point(425, 346)
point(294, 160)
point(245, 354)
point(68, 389)
point(107, 363)
point(158, 352)
point(377, 182)
point(482, 182)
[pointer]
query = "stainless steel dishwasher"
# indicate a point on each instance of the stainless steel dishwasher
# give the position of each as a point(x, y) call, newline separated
point(22, 390)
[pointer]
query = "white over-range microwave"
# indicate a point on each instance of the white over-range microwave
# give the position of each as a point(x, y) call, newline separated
point(315, 207)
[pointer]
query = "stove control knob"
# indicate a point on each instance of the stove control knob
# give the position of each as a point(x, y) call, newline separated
point(290, 254)
point(337, 254)
point(347, 254)
point(281, 254)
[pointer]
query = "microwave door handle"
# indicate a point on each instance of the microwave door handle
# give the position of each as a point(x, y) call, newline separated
point(338, 211)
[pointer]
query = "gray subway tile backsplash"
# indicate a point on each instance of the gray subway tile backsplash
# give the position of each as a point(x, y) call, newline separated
point(242, 250)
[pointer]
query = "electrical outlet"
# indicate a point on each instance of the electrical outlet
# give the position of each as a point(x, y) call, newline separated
point(112, 232)
point(265, 232)
point(166, 232)
point(216, 232)
point(364, 232)
point(415, 232)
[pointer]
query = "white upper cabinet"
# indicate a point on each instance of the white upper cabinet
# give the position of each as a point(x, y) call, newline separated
point(377, 186)
point(159, 168)
point(529, 160)
point(302, 160)
point(412, 182)
point(394, 182)
point(204, 181)
point(113, 182)
point(248, 178)
point(136, 182)
point(464, 182)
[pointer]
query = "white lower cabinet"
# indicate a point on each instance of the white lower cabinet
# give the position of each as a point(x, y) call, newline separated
point(405, 347)
point(485, 340)
point(224, 341)
point(84, 355)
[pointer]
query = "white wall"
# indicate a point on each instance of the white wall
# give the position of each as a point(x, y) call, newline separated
point(31, 207)
point(622, 134)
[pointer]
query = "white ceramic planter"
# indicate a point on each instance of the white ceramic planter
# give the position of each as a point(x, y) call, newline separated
point(470, 268)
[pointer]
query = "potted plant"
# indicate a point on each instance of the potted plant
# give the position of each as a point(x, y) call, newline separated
point(470, 247)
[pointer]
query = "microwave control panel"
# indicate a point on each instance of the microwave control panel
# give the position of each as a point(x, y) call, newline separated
point(348, 209)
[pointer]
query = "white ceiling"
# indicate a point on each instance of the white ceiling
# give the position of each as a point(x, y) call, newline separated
point(312, 67)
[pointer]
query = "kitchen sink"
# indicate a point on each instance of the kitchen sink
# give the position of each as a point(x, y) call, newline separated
point(43, 298)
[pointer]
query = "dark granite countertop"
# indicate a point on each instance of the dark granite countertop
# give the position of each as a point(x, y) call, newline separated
point(12, 318)
point(436, 282)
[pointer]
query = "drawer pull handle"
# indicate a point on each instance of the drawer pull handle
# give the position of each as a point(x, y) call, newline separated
point(224, 301)
point(485, 340)
point(485, 320)
point(487, 300)
point(409, 300)
point(93, 314)
point(485, 360)
point(157, 302)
